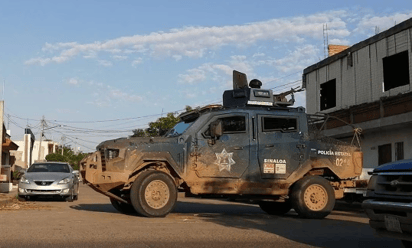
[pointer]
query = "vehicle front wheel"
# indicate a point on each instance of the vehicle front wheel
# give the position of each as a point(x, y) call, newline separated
point(153, 194)
point(313, 197)
point(122, 207)
point(275, 208)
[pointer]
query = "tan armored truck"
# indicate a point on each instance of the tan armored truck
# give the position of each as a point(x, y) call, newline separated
point(255, 146)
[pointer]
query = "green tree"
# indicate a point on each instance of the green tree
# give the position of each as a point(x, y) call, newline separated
point(68, 156)
point(158, 127)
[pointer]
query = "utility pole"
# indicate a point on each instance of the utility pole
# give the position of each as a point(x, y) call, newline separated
point(43, 124)
point(63, 140)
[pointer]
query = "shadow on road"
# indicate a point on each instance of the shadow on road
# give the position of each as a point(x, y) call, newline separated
point(99, 207)
point(319, 233)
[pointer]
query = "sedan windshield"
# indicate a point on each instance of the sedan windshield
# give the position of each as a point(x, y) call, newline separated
point(178, 129)
point(49, 168)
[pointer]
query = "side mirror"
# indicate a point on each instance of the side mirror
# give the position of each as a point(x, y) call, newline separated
point(216, 129)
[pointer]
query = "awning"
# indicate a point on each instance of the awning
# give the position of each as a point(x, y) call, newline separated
point(9, 145)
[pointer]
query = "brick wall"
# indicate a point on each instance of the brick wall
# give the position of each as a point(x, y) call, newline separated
point(334, 49)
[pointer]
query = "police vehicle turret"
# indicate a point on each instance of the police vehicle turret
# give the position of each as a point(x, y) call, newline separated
point(244, 95)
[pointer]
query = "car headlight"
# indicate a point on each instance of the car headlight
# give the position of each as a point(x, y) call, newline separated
point(372, 182)
point(65, 181)
point(24, 180)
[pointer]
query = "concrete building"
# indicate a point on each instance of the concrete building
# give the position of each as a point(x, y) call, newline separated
point(28, 151)
point(368, 85)
point(7, 158)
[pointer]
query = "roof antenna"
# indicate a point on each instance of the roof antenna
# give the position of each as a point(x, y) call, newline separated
point(325, 40)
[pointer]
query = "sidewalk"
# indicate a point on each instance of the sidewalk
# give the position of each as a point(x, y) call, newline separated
point(5, 198)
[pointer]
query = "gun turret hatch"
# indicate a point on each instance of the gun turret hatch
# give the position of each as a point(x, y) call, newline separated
point(243, 95)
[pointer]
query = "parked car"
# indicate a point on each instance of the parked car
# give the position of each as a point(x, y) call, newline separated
point(49, 179)
point(389, 204)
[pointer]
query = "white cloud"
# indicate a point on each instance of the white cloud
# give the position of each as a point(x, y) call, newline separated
point(368, 23)
point(73, 81)
point(258, 55)
point(119, 57)
point(296, 60)
point(105, 63)
point(194, 42)
point(339, 42)
point(137, 62)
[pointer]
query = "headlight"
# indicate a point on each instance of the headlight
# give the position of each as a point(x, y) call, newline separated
point(65, 181)
point(24, 180)
point(372, 182)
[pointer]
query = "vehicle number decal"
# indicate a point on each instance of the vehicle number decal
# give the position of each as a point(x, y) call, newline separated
point(340, 162)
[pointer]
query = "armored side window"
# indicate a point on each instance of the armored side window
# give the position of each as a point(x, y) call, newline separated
point(271, 124)
point(232, 124)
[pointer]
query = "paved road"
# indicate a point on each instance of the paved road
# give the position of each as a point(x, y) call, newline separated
point(93, 222)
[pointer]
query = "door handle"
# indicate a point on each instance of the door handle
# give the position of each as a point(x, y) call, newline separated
point(269, 145)
point(238, 148)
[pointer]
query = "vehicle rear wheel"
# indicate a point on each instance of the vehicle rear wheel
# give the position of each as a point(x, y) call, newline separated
point(122, 207)
point(153, 194)
point(275, 208)
point(313, 197)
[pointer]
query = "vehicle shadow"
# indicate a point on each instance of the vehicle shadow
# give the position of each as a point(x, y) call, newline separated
point(328, 232)
point(97, 207)
point(320, 233)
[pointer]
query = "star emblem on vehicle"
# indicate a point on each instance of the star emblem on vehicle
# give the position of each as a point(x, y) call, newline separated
point(224, 160)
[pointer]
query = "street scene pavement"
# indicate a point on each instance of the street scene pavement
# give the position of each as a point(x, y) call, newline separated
point(93, 222)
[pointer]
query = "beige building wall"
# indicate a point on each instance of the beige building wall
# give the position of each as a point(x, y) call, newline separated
point(363, 81)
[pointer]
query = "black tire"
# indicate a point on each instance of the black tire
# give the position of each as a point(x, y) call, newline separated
point(122, 207)
point(313, 197)
point(70, 198)
point(406, 243)
point(22, 198)
point(275, 208)
point(153, 194)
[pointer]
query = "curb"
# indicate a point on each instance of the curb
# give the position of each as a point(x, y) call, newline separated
point(4, 202)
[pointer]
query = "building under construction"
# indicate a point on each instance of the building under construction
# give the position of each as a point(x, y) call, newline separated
point(367, 85)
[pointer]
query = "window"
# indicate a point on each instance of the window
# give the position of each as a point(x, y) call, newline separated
point(234, 124)
point(398, 151)
point(328, 95)
point(55, 167)
point(396, 70)
point(271, 124)
point(385, 154)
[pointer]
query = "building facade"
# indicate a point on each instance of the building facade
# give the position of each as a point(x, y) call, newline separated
point(31, 151)
point(368, 85)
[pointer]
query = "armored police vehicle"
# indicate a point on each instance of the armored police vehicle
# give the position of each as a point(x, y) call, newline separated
point(255, 147)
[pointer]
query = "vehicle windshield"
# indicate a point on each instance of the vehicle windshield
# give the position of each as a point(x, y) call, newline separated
point(64, 168)
point(178, 129)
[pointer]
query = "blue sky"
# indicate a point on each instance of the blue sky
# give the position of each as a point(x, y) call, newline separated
point(80, 63)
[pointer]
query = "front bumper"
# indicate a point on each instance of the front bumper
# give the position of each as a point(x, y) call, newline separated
point(390, 219)
point(33, 189)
